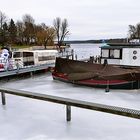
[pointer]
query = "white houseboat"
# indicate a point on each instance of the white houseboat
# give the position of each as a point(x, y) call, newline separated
point(27, 58)
point(126, 55)
point(36, 57)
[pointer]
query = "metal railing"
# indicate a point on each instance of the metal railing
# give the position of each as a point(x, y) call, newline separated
point(71, 102)
point(67, 54)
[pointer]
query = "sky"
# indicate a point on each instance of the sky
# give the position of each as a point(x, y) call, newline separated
point(87, 19)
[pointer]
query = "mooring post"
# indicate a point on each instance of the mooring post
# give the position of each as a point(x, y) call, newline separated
point(68, 112)
point(76, 57)
point(72, 53)
point(3, 98)
point(107, 88)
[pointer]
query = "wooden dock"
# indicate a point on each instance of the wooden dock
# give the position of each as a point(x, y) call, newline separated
point(30, 70)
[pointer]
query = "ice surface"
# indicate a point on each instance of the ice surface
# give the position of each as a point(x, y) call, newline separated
point(29, 119)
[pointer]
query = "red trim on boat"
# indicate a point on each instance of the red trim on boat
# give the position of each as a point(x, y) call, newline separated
point(64, 77)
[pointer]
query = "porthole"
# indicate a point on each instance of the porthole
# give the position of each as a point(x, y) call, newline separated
point(134, 57)
point(135, 52)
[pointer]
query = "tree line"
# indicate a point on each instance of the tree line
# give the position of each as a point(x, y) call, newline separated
point(26, 32)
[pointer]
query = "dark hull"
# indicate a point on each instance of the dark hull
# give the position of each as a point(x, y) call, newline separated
point(111, 84)
point(96, 75)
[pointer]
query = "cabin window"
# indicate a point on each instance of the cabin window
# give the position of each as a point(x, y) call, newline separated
point(115, 53)
point(27, 54)
point(112, 53)
point(28, 63)
point(105, 53)
point(17, 54)
point(45, 58)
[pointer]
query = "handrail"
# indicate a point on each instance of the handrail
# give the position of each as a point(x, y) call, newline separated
point(71, 102)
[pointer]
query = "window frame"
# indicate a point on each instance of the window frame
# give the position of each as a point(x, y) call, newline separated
point(109, 54)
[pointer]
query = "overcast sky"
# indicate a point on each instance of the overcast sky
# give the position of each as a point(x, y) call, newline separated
point(88, 19)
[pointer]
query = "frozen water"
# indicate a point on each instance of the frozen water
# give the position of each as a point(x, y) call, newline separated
point(86, 50)
point(29, 119)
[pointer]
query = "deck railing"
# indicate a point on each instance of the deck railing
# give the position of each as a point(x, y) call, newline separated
point(71, 102)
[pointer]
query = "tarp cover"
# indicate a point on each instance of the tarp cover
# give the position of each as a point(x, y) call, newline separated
point(79, 70)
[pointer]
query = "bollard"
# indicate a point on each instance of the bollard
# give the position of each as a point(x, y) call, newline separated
point(3, 98)
point(76, 57)
point(68, 112)
point(72, 54)
point(107, 88)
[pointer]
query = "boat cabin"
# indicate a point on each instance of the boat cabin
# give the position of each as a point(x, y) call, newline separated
point(33, 58)
point(121, 55)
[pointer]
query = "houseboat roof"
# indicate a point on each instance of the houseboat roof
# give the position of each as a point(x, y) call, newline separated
point(124, 44)
point(36, 51)
point(119, 46)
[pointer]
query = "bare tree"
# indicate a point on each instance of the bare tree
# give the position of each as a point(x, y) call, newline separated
point(3, 28)
point(29, 32)
point(61, 28)
point(132, 31)
point(138, 31)
point(12, 29)
point(45, 35)
point(50, 36)
point(20, 31)
point(28, 18)
point(40, 34)
point(2, 19)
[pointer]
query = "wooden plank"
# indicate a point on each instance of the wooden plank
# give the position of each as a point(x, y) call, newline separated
point(77, 103)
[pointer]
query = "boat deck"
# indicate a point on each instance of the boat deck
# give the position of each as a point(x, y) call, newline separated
point(24, 70)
